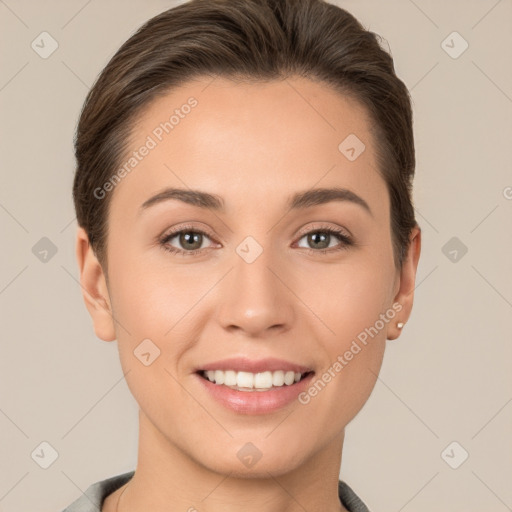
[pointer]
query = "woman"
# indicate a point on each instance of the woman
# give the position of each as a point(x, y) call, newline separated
point(246, 233)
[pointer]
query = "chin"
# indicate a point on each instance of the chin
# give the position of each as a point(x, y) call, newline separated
point(247, 462)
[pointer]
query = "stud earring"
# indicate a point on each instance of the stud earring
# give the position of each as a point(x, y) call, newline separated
point(400, 325)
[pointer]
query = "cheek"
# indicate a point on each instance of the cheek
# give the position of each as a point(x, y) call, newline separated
point(348, 301)
point(346, 298)
point(151, 299)
point(159, 303)
point(156, 305)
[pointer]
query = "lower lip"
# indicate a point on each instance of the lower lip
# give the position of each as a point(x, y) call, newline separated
point(255, 402)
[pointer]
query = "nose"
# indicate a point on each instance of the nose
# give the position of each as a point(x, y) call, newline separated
point(255, 299)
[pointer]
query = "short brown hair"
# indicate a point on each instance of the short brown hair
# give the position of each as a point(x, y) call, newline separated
point(255, 40)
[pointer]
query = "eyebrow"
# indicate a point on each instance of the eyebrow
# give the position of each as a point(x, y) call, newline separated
point(318, 196)
point(298, 201)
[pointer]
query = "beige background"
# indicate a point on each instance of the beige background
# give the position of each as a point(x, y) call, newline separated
point(446, 379)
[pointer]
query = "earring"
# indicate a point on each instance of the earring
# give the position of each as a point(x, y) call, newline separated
point(400, 325)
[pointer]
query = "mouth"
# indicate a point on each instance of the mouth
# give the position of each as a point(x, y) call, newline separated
point(254, 386)
point(251, 382)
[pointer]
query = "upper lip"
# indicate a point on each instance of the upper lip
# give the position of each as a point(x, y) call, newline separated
point(243, 364)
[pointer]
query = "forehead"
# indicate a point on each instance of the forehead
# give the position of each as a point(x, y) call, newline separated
point(256, 141)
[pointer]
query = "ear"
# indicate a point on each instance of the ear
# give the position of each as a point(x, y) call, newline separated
point(94, 288)
point(406, 283)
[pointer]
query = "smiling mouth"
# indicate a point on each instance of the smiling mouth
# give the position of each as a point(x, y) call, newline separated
point(247, 381)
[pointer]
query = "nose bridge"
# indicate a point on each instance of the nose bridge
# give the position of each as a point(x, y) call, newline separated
point(254, 299)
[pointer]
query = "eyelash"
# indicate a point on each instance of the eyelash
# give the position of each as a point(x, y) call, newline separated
point(345, 239)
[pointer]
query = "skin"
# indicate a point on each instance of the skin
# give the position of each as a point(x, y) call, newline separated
point(254, 145)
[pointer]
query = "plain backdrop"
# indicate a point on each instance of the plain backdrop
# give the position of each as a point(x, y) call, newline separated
point(445, 389)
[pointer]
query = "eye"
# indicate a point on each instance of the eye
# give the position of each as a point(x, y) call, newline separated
point(190, 239)
point(320, 240)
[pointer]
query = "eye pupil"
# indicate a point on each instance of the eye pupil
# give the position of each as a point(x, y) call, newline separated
point(315, 237)
point(190, 237)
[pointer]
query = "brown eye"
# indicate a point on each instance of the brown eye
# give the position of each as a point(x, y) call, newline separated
point(188, 241)
point(320, 240)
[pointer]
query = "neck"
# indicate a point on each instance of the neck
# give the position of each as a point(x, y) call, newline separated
point(168, 479)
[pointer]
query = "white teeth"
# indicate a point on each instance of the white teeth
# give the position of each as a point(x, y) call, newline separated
point(230, 378)
point(263, 380)
point(247, 380)
point(243, 379)
point(289, 378)
point(219, 377)
point(278, 378)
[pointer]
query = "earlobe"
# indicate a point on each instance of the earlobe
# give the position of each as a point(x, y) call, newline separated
point(94, 288)
point(405, 294)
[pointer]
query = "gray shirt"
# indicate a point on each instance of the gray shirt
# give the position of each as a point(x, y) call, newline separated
point(92, 499)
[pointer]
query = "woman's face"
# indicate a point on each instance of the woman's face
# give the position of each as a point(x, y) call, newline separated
point(255, 276)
